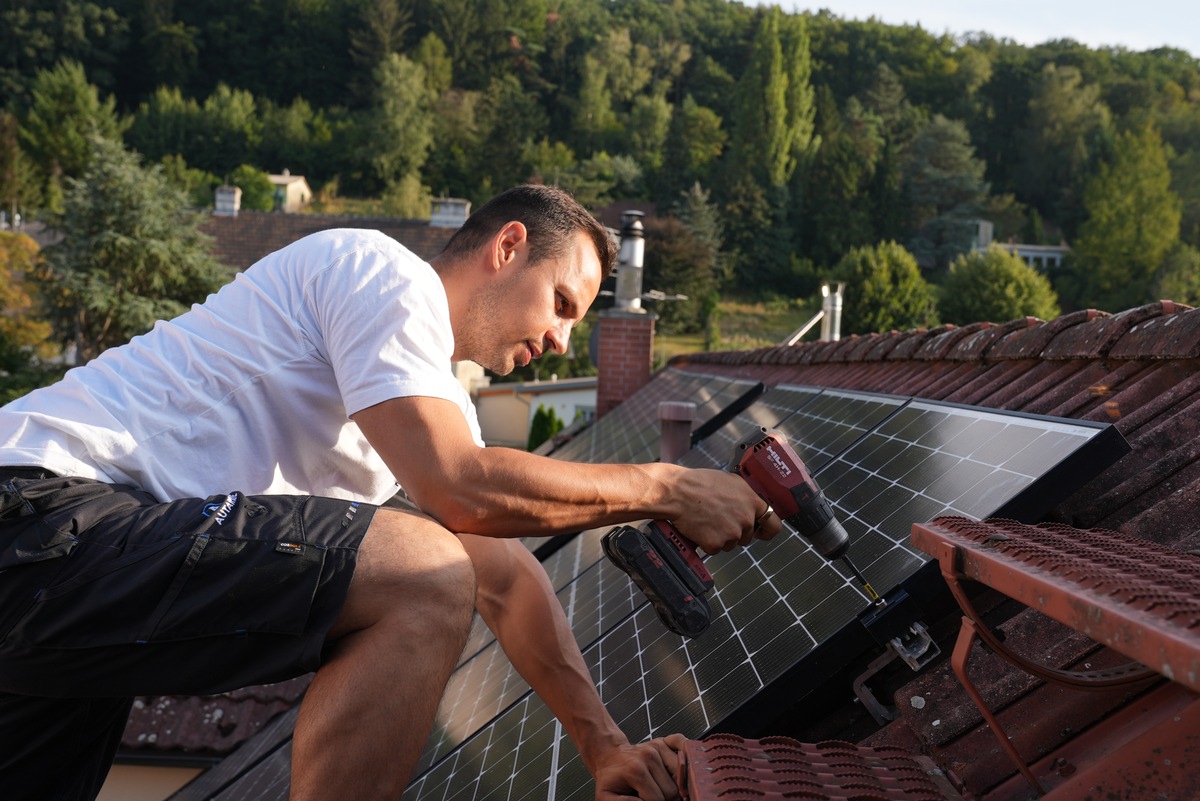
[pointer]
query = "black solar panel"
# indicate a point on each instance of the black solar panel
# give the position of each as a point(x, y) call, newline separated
point(630, 433)
point(884, 462)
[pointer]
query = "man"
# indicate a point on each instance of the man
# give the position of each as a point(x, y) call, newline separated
point(197, 510)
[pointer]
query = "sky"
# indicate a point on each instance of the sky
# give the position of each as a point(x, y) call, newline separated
point(1134, 24)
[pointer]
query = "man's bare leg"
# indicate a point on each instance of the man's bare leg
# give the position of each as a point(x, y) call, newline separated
point(370, 708)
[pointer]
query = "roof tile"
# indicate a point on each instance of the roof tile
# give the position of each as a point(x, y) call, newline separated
point(1029, 343)
point(944, 339)
point(1095, 338)
point(1174, 336)
point(978, 344)
point(910, 342)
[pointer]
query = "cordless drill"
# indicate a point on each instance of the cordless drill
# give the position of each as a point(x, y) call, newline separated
point(666, 566)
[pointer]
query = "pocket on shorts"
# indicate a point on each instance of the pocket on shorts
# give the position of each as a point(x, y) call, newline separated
point(103, 604)
point(179, 589)
point(234, 586)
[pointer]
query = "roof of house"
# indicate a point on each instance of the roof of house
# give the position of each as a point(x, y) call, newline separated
point(1139, 369)
point(244, 238)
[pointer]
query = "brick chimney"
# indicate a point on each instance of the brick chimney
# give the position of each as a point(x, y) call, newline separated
point(625, 333)
point(625, 345)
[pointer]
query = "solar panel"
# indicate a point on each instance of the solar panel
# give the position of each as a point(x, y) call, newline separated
point(630, 433)
point(884, 462)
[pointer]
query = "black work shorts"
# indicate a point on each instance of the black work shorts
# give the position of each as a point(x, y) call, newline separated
point(105, 592)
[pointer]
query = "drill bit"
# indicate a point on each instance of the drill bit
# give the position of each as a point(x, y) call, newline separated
point(874, 596)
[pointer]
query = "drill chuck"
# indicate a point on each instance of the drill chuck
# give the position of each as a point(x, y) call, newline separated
point(831, 540)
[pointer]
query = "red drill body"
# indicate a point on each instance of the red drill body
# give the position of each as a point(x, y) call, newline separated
point(666, 565)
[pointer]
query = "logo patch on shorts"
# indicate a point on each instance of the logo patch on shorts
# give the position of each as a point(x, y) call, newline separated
point(294, 548)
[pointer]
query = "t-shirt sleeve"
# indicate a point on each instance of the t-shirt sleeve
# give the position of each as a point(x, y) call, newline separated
point(380, 316)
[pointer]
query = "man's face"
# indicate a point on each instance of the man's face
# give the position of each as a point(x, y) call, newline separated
point(531, 308)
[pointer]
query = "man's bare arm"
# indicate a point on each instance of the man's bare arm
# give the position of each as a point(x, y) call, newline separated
point(498, 492)
point(517, 601)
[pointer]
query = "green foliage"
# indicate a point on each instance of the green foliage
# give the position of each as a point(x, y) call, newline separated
point(36, 36)
point(815, 133)
point(408, 198)
point(546, 423)
point(1067, 125)
point(884, 290)
point(198, 185)
point(258, 193)
point(20, 183)
point(1132, 223)
point(842, 171)
point(65, 111)
point(945, 190)
point(1179, 277)
point(994, 285)
point(677, 263)
point(774, 128)
point(400, 128)
point(132, 254)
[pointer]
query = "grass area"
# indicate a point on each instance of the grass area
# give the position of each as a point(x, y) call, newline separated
point(743, 325)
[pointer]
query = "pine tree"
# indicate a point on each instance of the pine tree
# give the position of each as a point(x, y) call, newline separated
point(132, 253)
point(65, 112)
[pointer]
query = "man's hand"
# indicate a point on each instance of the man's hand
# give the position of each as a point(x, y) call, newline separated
point(646, 771)
point(720, 511)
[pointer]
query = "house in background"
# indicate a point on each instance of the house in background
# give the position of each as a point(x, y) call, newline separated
point(506, 410)
point(1043, 258)
point(292, 192)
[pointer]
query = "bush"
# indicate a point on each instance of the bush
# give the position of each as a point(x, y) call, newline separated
point(995, 286)
point(884, 290)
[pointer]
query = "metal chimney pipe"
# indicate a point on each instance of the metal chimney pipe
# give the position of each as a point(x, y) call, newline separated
point(831, 313)
point(630, 260)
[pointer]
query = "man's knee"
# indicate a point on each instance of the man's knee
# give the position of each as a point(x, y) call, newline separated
point(411, 570)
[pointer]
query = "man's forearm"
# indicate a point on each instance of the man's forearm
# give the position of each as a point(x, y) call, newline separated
point(517, 601)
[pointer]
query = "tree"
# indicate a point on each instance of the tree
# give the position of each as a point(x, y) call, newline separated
point(509, 119)
point(383, 26)
point(678, 263)
point(25, 339)
point(132, 253)
point(773, 129)
point(20, 188)
point(994, 285)
point(1066, 127)
point(772, 136)
point(943, 183)
point(884, 290)
point(23, 334)
point(64, 113)
point(546, 423)
point(231, 130)
point(36, 36)
point(258, 193)
point(1179, 277)
point(838, 214)
point(400, 128)
point(1132, 223)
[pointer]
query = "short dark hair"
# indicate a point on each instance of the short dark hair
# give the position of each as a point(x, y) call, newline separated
point(551, 218)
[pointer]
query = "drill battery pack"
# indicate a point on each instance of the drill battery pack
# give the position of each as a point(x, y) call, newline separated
point(668, 570)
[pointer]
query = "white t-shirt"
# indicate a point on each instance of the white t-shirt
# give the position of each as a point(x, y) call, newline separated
point(252, 390)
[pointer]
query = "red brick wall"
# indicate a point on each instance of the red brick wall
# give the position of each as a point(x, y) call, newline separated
point(626, 344)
